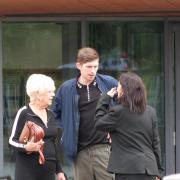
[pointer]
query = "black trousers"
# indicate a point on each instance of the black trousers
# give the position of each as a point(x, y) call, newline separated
point(134, 177)
point(30, 169)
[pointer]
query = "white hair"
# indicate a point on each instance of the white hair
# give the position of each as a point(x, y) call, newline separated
point(38, 83)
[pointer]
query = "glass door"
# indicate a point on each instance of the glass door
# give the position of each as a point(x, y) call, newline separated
point(33, 47)
point(135, 46)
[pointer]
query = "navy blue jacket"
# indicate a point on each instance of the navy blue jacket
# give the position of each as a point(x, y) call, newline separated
point(66, 110)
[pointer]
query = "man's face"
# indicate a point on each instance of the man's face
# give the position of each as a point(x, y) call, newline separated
point(88, 70)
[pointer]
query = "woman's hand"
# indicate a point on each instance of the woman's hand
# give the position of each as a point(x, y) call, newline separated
point(60, 176)
point(31, 146)
point(112, 92)
point(109, 138)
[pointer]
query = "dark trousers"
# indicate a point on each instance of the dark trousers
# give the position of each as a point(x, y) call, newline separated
point(134, 177)
point(30, 169)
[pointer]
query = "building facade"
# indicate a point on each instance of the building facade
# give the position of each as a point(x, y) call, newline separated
point(145, 42)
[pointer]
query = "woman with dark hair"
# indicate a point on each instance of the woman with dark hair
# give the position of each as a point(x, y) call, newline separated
point(133, 128)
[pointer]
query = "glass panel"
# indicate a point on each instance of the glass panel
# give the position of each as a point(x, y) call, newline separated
point(33, 48)
point(51, 48)
point(136, 46)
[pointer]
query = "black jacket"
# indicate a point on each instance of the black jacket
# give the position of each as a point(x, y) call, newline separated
point(135, 139)
point(51, 139)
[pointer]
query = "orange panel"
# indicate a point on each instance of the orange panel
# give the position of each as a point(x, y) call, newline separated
point(162, 5)
point(29, 7)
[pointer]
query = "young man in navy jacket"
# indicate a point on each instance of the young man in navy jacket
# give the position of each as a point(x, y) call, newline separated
point(74, 107)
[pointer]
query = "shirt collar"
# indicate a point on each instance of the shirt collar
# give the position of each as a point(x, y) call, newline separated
point(79, 85)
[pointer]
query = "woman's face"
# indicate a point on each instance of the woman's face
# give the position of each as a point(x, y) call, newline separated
point(46, 98)
point(119, 90)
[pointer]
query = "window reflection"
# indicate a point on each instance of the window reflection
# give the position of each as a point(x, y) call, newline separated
point(135, 46)
point(51, 48)
point(33, 48)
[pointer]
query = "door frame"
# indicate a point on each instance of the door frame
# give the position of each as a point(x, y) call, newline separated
point(1, 105)
point(172, 97)
point(176, 31)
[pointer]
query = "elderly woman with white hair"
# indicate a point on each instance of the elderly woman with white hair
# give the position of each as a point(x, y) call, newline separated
point(40, 89)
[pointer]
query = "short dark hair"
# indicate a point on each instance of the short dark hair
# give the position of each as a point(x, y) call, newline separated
point(134, 92)
point(87, 54)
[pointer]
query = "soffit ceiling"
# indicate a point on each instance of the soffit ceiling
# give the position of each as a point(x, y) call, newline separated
point(34, 7)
